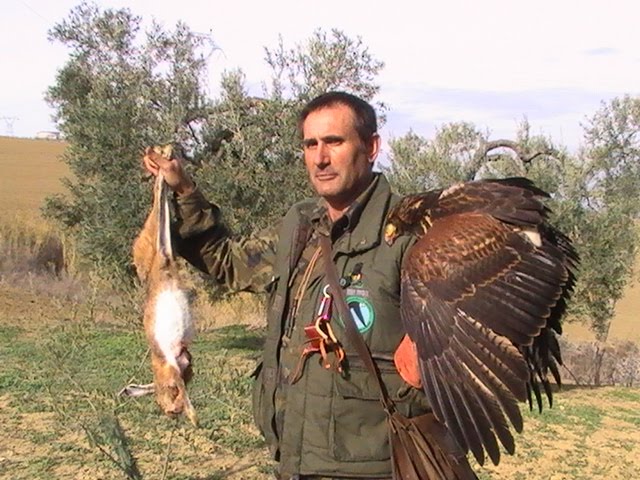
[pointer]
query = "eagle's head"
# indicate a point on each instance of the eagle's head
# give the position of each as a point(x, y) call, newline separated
point(410, 216)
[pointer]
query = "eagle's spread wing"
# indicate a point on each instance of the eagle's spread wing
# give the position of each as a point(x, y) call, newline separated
point(480, 289)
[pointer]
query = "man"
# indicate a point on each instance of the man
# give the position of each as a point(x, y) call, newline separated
point(320, 416)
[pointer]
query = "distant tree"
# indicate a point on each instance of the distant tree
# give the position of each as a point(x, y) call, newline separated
point(420, 164)
point(460, 151)
point(326, 61)
point(610, 206)
point(116, 94)
point(613, 148)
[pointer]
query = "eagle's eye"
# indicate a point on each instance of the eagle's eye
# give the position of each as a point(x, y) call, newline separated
point(390, 233)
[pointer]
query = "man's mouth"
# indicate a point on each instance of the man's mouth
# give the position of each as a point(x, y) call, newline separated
point(325, 176)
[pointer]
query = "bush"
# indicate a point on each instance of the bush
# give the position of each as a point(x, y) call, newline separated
point(599, 363)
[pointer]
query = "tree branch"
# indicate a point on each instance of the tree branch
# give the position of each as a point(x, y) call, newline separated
point(482, 156)
point(521, 154)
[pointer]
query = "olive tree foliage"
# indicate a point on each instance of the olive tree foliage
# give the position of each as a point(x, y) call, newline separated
point(125, 87)
point(613, 148)
point(120, 90)
point(460, 151)
point(607, 221)
point(595, 194)
point(326, 61)
point(253, 165)
point(419, 164)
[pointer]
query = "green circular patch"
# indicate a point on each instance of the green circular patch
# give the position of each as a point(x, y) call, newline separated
point(362, 312)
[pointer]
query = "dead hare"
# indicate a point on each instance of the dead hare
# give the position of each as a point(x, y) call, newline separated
point(168, 322)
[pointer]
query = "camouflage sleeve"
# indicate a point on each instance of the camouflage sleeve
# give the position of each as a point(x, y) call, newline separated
point(243, 263)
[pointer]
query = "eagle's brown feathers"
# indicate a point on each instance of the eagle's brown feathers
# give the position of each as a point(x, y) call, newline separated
point(482, 287)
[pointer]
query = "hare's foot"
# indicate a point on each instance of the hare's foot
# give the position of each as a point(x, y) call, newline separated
point(136, 390)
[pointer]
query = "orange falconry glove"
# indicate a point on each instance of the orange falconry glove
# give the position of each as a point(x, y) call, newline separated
point(406, 361)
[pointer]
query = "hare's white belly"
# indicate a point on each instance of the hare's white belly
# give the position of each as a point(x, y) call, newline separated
point(173, 326)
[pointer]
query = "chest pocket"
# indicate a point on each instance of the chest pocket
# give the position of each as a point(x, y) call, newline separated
point(374, 301)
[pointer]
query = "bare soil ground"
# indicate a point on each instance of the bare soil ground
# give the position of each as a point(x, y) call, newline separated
point(37, 445)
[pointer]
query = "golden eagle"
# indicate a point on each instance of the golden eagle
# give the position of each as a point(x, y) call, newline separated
point(483, 290)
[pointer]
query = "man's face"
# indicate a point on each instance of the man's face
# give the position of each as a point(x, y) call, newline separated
point(338, 162)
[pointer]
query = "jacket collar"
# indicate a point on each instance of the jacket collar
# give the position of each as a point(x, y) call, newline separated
point(360, 228)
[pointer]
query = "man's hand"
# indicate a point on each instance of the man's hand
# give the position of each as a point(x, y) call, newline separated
point(172, 170)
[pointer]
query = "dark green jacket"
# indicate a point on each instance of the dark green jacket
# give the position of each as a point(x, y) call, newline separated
point(326, 423)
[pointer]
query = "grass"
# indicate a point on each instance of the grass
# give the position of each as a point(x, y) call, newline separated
point(625, 395)
point(69, 375)
point(58, 385)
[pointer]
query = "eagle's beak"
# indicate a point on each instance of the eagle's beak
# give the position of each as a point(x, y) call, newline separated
point(390, 233)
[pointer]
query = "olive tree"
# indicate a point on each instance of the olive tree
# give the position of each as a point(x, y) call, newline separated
point(119, 91)
point(124, 87)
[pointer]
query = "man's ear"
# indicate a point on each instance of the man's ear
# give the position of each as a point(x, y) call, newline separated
point(373, 147)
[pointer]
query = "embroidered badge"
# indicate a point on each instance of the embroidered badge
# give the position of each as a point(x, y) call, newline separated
point(357, 297)
point(361, 311)
point(360, 306)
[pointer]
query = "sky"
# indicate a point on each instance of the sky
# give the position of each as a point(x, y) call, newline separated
point(490, 62)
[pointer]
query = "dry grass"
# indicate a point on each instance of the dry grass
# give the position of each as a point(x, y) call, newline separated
point(32, 170)
point(33, 245)
point(625, 323)
point(239, 309)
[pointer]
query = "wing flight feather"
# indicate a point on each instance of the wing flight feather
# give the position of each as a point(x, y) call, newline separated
point(477, 299)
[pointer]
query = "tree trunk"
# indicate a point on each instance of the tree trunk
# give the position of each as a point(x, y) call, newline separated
point(599, 355)
point(601, 339)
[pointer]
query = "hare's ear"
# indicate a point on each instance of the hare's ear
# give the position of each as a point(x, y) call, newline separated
point(134, 390)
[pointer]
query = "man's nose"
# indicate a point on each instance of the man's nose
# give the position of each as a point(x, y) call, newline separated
point(322, 155)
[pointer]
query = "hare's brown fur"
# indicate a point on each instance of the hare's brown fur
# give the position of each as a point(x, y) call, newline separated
point(168, 322)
